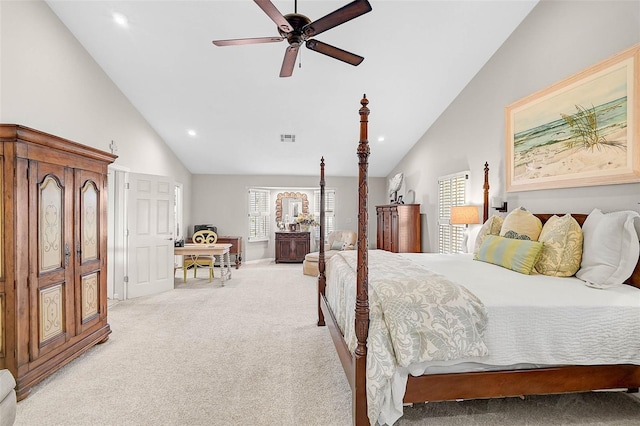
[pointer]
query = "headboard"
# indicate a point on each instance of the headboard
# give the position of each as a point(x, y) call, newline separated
point(633, 280)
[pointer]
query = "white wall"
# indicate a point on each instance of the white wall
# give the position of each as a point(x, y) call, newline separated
point(222, 201)
point(556, 40)
point(50, 83)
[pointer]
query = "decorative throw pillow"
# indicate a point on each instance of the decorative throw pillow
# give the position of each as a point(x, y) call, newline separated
point(611, 248)
point(521, 224)
point(491, 227)
point(562, 250)
point(510, 253)
point(337, 245)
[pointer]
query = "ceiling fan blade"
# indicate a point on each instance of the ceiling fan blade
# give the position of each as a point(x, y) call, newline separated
point(238, 41)
point(337, 17)
point(334, 52)
point(289, 61)
point(275, 15)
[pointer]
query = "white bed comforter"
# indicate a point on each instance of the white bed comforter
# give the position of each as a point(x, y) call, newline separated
point(534, 320)
point(544, 320)
point(415, 316)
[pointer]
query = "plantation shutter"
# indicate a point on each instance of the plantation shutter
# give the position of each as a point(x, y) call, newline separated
point(452, 191)
point(259, 217)
point(329, 211)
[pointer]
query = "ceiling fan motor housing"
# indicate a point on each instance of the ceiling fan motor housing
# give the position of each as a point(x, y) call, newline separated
point(297, 21)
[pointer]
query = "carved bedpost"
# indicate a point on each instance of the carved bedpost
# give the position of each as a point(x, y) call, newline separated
point(362, 285)
point(322, 280)
point(485, 210)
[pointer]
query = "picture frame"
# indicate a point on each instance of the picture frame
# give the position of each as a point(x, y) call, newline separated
point(581, 131)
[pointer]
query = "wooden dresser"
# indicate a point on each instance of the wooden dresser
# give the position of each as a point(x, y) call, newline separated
point(53, 268)
point(292, 247)
point(236, 247)
point(399, 228)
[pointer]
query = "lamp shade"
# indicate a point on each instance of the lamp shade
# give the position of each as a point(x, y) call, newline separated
point(464, 215)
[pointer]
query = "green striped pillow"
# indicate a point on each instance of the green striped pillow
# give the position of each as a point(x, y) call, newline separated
point(517, 255)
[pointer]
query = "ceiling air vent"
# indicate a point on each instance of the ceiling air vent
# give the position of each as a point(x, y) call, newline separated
point(287, 138)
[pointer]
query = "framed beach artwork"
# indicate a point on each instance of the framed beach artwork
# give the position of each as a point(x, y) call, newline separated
point(582, 131)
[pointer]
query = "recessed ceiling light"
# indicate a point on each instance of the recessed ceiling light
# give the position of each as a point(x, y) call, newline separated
point(120, 19)
point(191, 133)
point(380, 138)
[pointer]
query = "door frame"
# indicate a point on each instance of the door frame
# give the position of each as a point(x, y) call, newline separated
point(117, 230)
point(117, 245)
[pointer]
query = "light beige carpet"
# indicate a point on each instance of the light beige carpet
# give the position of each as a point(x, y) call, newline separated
point(249, 353)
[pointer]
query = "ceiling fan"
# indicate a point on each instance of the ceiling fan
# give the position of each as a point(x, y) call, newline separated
point(298, 29)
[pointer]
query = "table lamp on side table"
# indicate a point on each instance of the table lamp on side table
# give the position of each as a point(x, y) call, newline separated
point(464, 215)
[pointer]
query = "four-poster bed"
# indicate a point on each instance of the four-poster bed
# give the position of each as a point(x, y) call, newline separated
point(353, 351)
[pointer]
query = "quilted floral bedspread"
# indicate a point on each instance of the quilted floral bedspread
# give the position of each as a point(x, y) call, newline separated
point(415, 315)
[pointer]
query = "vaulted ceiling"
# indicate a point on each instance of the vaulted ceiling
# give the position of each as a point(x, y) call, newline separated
point(419, 55)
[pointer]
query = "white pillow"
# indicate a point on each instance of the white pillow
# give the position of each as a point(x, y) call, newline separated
point(611, 248)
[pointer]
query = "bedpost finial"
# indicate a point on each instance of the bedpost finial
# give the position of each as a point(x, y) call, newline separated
point(364, 111)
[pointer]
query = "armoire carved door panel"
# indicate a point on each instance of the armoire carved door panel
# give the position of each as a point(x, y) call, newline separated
point(51, 277)
point(91, 297)
point(388, 230)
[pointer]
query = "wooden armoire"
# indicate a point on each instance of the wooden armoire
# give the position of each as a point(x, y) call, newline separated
point(53, 264)
point(399, 228)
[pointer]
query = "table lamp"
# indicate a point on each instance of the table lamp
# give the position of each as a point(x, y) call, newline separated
point(464, 215)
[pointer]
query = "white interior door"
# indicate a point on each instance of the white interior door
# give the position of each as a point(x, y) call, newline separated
point(151, 217)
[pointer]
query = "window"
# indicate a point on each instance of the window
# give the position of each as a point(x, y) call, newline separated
point(259, 217)
point(452, 191)
point(329, 211)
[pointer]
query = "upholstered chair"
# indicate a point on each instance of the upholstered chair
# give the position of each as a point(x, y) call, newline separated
point(7, 398)
point(336, 241)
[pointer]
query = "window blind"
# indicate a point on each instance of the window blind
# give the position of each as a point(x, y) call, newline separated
point(329, 211)
point(259, 217)
point(452, 191)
